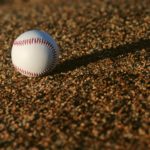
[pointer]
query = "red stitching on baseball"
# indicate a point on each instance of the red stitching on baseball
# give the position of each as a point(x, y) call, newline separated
point(31, 74)
point(42, 42)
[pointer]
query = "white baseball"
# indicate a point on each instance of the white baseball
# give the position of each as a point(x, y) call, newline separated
point(34, 53)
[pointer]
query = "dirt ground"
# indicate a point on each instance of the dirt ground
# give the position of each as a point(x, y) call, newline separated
point(98, 97)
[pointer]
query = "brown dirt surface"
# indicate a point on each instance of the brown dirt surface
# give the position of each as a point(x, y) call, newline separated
point(98, 97)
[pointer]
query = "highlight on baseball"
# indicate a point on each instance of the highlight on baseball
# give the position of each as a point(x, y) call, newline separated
point(34, 53)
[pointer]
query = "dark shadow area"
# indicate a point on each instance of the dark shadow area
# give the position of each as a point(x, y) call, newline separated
point(111, 53)
point(3, 1)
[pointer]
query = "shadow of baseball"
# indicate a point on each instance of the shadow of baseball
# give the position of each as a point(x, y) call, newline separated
point(111, 53)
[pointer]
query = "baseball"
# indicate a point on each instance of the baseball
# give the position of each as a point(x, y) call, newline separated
point(34, 53)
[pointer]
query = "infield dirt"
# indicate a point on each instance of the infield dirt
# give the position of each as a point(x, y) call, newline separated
point(98, 97)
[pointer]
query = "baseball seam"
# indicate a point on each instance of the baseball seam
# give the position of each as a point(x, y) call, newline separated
point(41, 42)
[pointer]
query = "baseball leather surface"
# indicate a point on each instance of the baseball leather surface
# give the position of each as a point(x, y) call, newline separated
point(34, 53)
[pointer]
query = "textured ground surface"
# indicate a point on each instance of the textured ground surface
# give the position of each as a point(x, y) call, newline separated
point(98, 97)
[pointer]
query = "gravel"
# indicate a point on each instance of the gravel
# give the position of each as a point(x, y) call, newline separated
point(98, 97)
